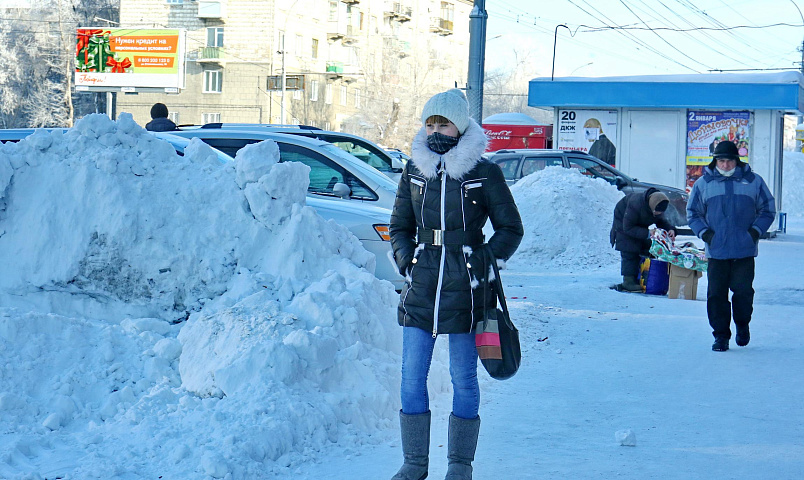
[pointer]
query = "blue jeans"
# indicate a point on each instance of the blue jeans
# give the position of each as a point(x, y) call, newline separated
point(417, 354)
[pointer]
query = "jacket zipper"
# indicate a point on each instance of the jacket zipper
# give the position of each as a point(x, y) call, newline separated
point(443, 251)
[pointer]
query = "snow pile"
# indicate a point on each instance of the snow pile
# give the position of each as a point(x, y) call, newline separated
point(792, 193)
point(109, 240)
point(567, 218)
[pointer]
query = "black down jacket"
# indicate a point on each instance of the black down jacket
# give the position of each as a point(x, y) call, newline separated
point(444, 289)
point(632, 217)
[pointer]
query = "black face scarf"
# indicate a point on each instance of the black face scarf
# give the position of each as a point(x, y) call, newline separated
point(440, 143)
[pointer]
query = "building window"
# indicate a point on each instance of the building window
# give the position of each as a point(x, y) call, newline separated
point(215, 37)
point(299, 45)
point(315, 48)
point(213, 81)
point(174, 117)
point(314, 90)
point(175, 2)
point(297, 94)
point(343, 94)
point(327, 126)
point(447, 11)
point(328, 94)
point(333, 10)
point(357, 98)
point(210, 118)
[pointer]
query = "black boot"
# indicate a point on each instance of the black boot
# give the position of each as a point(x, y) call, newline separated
point(630, 284)
point(743, 335)
point(721, 344)
point(462, 444)
point(415, 446)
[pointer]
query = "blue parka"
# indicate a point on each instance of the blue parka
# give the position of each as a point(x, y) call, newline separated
point(730, 206)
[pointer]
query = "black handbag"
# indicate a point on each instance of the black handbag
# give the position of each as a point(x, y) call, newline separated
point(496, 337)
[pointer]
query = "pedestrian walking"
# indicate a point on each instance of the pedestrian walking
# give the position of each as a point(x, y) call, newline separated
point(629, 235)
point(730, 208)
point(160, 121)
point(446, 194)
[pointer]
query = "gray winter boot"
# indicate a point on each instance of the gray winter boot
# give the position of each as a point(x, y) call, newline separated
point(462, 444)
point(415, 446)
point(630, 284)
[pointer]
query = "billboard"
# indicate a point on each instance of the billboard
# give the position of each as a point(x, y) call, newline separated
point(706, 129)
point(590, 131)
point(126, 59)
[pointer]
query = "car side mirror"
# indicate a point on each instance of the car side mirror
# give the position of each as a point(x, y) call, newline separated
point(342, 190)
point(397, 163)
point(620, 182)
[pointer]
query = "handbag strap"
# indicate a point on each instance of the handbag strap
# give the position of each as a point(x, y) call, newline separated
point(499, 286)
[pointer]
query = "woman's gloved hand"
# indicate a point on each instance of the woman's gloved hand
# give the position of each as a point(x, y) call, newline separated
point(708, 236)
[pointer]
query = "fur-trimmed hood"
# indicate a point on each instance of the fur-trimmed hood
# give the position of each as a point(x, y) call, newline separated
point(458, 161)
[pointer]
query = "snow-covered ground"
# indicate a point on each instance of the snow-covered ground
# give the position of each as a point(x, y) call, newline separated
point(168, 317)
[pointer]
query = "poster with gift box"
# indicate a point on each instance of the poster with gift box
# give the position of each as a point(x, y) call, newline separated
point(116, 57)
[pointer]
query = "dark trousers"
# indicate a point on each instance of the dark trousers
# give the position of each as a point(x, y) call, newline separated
point(736, 275)
point(630, 263)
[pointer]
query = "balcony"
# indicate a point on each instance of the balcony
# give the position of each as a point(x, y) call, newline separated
point(211, 8)
point(346, 33)
point(210, 55)
point(344, 72)
point(441, 26)
point(399, 12)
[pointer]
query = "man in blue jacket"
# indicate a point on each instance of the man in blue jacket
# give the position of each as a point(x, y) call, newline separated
point(730, 207)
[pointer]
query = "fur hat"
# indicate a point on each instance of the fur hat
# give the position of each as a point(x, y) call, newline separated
point(159, 110)
point(658, 202)
point(451, 105)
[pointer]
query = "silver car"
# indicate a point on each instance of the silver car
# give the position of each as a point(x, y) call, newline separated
point(341, 188)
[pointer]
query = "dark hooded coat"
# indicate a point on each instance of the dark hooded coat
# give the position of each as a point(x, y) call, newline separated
point(457, 191)
point(632, 217)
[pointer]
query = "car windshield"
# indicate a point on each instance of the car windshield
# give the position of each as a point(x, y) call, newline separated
point(594, 169)
point(362, 152)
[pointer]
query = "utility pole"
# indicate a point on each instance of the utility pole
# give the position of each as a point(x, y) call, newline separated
point(284, 80)
point(477, 59)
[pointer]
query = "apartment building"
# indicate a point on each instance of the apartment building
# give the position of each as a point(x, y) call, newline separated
point(362, 66)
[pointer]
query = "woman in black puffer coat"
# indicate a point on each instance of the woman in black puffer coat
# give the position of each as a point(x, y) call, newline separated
point(446, 194)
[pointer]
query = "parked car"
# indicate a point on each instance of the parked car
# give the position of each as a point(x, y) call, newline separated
point(341, 187)
point(359, 147)
point(398, 154)
point(16, 134)
point(519, 163)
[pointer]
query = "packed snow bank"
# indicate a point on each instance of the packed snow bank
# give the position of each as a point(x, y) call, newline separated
point(567, 218)
point(109, 240)
point(792, 193)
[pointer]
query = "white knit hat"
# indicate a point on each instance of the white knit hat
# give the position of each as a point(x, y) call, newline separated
point(451, 105)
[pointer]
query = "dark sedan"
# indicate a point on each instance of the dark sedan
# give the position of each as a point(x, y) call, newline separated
point(516, 164)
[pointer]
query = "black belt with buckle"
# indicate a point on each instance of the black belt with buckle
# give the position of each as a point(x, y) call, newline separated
point(450, 237)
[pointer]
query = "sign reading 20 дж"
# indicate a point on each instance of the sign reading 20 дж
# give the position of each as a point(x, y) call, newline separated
point(590, 131)
point(124, 57)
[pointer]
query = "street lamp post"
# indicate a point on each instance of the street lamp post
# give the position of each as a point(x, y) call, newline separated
point(555, 36)
point(477, 59)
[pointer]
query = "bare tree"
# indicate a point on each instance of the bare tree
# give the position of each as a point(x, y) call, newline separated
point(505, 90)
point(37, 58)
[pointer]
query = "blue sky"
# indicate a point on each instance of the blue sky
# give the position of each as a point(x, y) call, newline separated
point(523, 30)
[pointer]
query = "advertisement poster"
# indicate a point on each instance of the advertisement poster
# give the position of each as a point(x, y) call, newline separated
point(590, 131)
point(706, 129)
point(123, 57)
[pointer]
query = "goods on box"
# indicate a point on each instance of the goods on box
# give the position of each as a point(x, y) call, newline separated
point(685, 255)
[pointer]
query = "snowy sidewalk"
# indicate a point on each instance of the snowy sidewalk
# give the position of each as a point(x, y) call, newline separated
point(616, 361)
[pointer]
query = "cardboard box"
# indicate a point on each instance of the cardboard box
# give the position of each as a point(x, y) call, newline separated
point(683, 283)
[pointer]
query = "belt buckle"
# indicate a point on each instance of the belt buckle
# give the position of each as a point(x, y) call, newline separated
point(438, 238)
